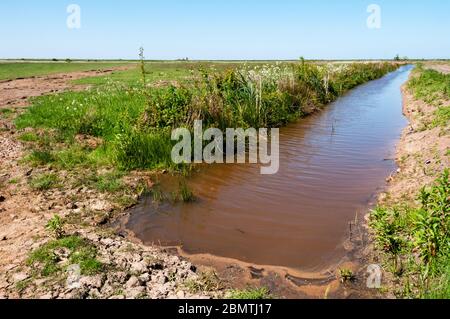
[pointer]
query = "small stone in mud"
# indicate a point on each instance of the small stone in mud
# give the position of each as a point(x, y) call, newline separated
point(132, 282)
point(144, 278)
point(139, 267)
point(2, 198)
point(4, 238)
point(428, 162)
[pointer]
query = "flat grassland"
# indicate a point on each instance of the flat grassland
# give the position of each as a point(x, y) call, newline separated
point(17, 70)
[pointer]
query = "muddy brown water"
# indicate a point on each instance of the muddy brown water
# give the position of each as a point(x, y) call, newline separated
point(331, 165)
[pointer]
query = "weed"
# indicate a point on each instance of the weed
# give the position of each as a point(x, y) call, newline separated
point(142, 64)
point(207, 281)
point(71, 157)
point(55, 226)
point(172, 276)
point(186, 194)
point(29, 137)
point(157, 194)
point(6, 111)
point(143, 151)
point(441, 117)
point(40, 158)
point(430, 85)
point(110, 182)
point(22, 285)
point(432, 221)
point(346, 275)
point(422, 231)
point(250, 294)
point(46, 260)
point(14, 181)
point(44, 182)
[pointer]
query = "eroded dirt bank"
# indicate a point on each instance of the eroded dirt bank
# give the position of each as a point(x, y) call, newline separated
point(422, 156)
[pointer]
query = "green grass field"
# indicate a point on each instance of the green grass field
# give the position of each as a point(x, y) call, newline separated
point(13, 70)
point(165, 71)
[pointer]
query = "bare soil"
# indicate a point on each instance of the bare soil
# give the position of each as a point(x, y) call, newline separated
point(443, 67)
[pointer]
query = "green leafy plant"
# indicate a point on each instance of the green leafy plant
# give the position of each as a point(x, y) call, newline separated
point(250, 294)
point(44, 182)
point(346, 275)
point(46, 260)
point(186, 194)
point(430, 85)
point(441, 117)
point(404, 232)
point(142, 64)
point(110, 182)
point(56, 227)
point(207, 281)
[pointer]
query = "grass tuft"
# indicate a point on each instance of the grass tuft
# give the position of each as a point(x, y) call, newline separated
point(250, 294)
point(47, 261)
point(44, 182)
point(417, 239)
point(207, 281)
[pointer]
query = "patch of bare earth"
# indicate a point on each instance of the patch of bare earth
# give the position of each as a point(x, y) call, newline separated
point(442, 67)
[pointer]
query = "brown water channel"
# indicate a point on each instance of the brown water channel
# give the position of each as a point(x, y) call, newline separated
point(331, 165)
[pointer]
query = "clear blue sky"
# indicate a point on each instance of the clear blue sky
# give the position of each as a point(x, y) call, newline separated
point(225, 29)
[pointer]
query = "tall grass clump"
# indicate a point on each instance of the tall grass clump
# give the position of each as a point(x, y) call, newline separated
point(418, 240)
point(272, 96)
point(143, 150)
